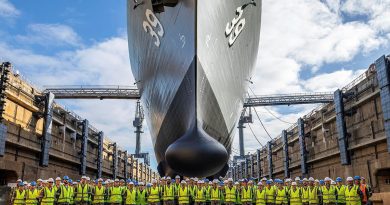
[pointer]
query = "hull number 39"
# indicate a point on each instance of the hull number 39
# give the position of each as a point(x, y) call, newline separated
point(153, 26)
point(235, 27)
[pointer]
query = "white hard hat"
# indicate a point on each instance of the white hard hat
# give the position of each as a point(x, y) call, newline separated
point(141, 183)
point(333, 182)
point(50, 180)
point(131, 183)
point(183, 182)
point(74, 183)
point(210, 182)
point(271, 180)
point(349, 179)
point(83, 177)
point(297, 179)
point(58, 179)
point(39, 180)
point(100, 180)
point(19, 180)
point(116, 180)
point(195, 179)
point(304, 179)
point(327, 179)
point(264, 179)
point(311, 179)
point(236, 183)
point(177, 177)
point(317, 180)
point(88, 178)
point(154, 181)
point(25, 182)
point(168, 178)
point(230, 180)
point(225, 182)
point(163, 178)
point(260, 183)
point(293, 183)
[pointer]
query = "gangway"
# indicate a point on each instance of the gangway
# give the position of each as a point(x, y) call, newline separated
point(94, 92)
point(288, 99)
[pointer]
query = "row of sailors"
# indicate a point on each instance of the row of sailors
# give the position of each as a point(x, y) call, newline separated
point(193, 191)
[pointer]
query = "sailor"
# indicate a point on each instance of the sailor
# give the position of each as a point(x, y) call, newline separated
point(353, 194)
point(98, 193)
point(260, 196)
point(64, 192)
point(48, 193)
point(183, 193)
point(295, 194)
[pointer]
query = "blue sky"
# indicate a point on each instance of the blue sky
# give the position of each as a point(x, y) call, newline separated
point(305, 46)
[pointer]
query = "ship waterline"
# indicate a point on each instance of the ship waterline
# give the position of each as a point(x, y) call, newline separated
point(192, 62)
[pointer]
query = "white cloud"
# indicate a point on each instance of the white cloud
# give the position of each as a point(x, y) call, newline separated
point(7, 9)
point(50, 35)
point(307, 34)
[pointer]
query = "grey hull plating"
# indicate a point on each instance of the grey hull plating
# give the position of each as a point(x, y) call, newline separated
point(193, 83)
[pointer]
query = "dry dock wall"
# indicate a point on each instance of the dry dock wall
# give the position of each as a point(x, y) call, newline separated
point(24, 117)
point(315, 150)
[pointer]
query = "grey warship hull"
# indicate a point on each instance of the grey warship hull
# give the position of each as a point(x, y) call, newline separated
point(192, 61)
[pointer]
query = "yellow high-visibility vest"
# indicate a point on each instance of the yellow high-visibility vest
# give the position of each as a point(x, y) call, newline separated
point(82, 193)
point(270, 192)
point(230, 194)
point(116, 195)
point(168, 193)
point(184, 195)
point(313, 195)
point(281, 196)
point(246, 194)
point(31, 198)
point(351, 195)
point(200, 195)
point(215, 194)
point(65, 195)
point(305, 194)
point(341, 194)
point(98, 195)
point(131, 196)
point(20, 197)
point(154, 195)
point(329, 195)
point(295, 197)
point(49, 196)
point(261, 197)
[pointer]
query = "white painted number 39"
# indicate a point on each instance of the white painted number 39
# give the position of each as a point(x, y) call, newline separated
point(153, 26)
point(236, 25)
